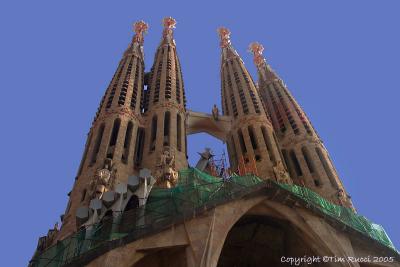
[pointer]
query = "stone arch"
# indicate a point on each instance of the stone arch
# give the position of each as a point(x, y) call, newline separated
point(320, 237)
point(200, 240)
point(197, 122)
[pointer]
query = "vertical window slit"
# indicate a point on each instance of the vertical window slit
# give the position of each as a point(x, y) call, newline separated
point(295, 163)
point(241, 141)
point(113, 138)
point(97, 144)
point(127, 143)
point(307, 158)
point(178, 134)
point(139, 147)
point(167, 123)
point(268, 144)
point(288, 163)
point(153, 133)
point(252, 138)
point(83, 195)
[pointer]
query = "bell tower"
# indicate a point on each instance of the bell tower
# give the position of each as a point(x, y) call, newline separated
point(130, 206)
point(165, 104)
point(109, 156)
point(251, 140)
point(307, 159)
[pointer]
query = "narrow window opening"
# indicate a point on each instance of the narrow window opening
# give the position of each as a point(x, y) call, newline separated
point(127, 143)
point(83, 195)
point(97, 144)
point(296, 163)
point(252, 138)
point(136, 85)
point(268, 144)
point(241, 141)
point(113, 138)
point(179, 134)
point(167, 123)
point(139, 147)
point(307, 158)
point(286, 159)
point(115, 84)
point(153, 133)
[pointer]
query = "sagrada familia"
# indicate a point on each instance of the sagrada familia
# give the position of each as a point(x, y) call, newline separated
point(137, 202)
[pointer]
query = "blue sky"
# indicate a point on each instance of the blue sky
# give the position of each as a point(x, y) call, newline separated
point(339, 59)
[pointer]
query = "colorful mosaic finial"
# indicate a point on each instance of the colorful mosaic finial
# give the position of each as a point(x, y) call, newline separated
point(140, 28)
point(224, 34)
point(169, 24)
point(257, 50)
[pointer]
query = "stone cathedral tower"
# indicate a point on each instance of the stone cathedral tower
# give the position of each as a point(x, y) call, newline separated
point(114, 144)
point(252, 136)
point(308, 160)
point(137, 203)
point(164, 104)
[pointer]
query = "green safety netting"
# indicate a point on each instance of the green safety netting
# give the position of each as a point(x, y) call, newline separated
point(345, 215)
point(194, 192)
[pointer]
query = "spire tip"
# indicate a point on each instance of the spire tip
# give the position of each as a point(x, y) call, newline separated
point(140, 28)
point(169, 24)
point(257, 50)
point(224, 34)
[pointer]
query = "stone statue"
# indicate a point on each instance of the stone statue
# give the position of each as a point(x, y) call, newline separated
point(104, 180)
point(215, 112)
point(281, 174)
point(342, 197)
point(166, 174)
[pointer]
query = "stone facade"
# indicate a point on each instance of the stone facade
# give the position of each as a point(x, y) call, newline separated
point(307, 159)
point(138, 140)
point(251, 137)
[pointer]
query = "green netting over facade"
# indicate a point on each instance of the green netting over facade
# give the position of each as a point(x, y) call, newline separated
point(345, 215)
point(196, 189)
point(195, 192)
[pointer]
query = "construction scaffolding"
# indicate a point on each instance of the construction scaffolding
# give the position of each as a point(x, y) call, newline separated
point(195, 193)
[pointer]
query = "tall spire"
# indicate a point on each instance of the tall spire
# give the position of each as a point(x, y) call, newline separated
point(168, 32)
point(110, 154)
point(164, 105)
point(262, 66)
point(224, 34)
point(140, 28)
point(225, 43)
point(252, 140)
point(307, 159)
point(136, 46)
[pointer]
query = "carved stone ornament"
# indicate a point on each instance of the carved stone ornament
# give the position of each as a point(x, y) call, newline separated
point(281, 174)
point(103, 180)
point(104, 175)
point(166, 175)
point(215, 112)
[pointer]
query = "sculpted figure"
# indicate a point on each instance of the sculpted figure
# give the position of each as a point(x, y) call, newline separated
point(281, 174)
point(341, 197)
point(166, 174)
point(103, 180)
point(215, 112)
